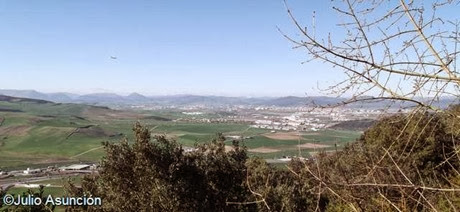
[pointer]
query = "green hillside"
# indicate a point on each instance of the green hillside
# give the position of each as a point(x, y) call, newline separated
point(41, 132)
point(37, 133)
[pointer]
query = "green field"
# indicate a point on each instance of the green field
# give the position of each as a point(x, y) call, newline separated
point(43, 134)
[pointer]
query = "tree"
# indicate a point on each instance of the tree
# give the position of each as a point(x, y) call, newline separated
point(389, 50)
point(158, 175)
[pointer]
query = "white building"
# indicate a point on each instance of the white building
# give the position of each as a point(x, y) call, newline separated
point(76, 167)
point(32, 171)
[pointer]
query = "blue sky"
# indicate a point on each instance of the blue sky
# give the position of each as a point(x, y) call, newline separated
point(227, 48)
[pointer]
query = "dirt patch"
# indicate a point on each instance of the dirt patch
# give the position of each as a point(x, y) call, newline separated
point(283, 135)
point(15, 130)
point(263, 150)
point(312, 146)
point(36, 120)
point(93, 132)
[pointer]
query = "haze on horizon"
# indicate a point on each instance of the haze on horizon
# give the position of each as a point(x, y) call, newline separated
point(229, 48)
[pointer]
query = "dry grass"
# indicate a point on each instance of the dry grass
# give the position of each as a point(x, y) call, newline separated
point(312, 146)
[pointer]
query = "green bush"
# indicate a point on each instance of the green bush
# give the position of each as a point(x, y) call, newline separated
point(393, 164)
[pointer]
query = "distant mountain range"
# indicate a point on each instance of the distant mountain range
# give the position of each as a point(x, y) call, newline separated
point(4, 98)
point(108, 99)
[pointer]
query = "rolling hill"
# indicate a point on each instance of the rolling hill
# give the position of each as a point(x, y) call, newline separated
point(43, 132)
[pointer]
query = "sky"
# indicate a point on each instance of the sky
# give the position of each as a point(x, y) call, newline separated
point(230, 48)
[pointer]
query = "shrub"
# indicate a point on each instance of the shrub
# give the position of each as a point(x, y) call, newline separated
point(403, 161)
point(158, 175)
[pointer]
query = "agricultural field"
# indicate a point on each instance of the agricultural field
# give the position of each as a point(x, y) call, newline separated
point(39, 133)
point(260, 142)
point(276, 145)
